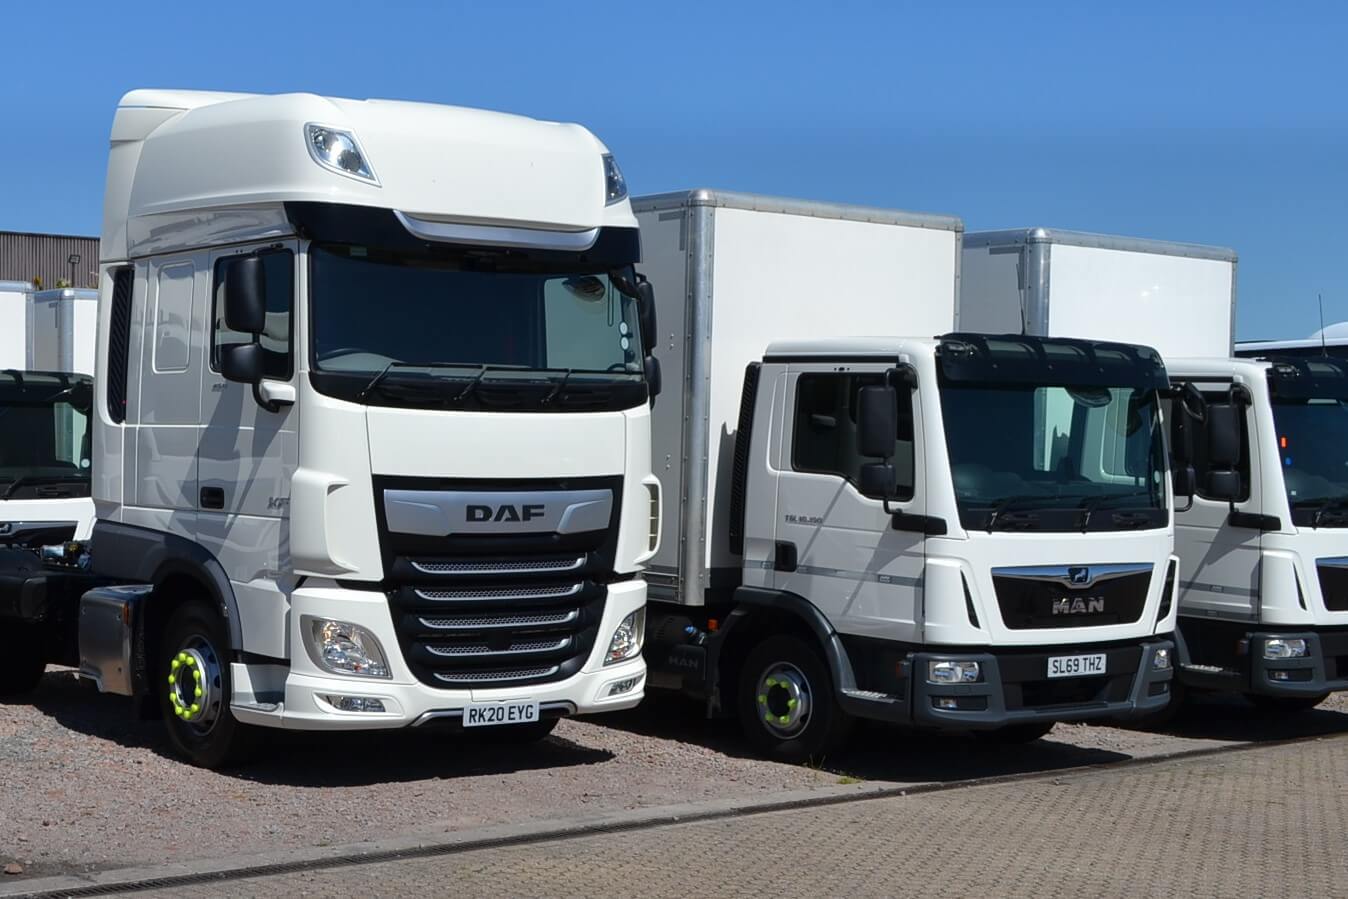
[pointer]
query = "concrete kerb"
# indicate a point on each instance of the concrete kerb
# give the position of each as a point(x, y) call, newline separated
point(422, 844)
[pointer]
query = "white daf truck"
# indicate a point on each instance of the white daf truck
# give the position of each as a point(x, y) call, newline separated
point(371, 420)
point(1263, 537)
point(906, 529)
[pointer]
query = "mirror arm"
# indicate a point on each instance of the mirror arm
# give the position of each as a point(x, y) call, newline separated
point(268, 405)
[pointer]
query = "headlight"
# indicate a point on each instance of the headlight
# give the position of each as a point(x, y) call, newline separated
point(1284, 648)
point(338, 150)
point(948, 672)
point(615, 185)
point(1160, 660)
point(344, 648)
point(626, 642)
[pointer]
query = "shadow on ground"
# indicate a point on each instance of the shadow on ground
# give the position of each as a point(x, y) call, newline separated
point(313, 758)
point(885, 753)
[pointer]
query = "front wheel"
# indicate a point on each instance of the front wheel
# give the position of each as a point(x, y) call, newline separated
point(787, 705)
point(194, 687)
point(1285, 705)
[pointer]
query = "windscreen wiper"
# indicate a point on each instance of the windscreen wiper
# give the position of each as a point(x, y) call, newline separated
point(561, 385)
point(25, 480)
point(1006, 505)
point(1325, 505)
point(1089, 504)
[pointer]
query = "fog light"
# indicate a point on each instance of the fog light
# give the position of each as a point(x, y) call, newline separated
point(1160, 660)
point(1284, 648)
point(623, 686)
point(626, 642)
point(355, 703)
point(344, 648)
point(946, 702)
point(948, 672)
point(1280, 675)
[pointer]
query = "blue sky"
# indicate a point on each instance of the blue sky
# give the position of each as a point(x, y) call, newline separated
point(1211, 123)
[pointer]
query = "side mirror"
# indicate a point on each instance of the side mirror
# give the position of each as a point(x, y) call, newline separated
point(878, 481)
point(246, 296)
point(877, 422)
point(652, 366)
point(1223, 428)
point(1184, 480)
point(242, 363)
point(646, 315)
point(1224, 485)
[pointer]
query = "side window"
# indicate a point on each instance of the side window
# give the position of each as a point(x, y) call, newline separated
point(173, 317)
point(279, 269)
point(825, 435)
point(1197, 434)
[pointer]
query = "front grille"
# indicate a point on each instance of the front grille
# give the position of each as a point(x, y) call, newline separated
point(1031, 602)
point(501, 608)
point(501, 620)
point(522, 647)
point(499, 566)
point(1334, 586)
point(493, 677)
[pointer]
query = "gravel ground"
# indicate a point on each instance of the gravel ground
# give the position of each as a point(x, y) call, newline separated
point(83, 786)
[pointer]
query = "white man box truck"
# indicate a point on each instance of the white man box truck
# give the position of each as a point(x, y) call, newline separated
point(371, 420)
point(1262, 537)
point(885, 528)
point(61, 329)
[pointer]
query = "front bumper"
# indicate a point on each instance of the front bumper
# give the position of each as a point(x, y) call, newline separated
point(1324, 668)
point(1015, 688)
point(295, 696)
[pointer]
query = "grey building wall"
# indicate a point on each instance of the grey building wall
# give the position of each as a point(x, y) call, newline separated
point(29, 257)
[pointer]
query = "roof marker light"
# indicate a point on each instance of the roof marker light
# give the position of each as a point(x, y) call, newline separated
point(615, 185)
point(338, 151)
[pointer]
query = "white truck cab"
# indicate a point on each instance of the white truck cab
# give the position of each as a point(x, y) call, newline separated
point(1260, 528)
point(372, 417)
point(963, 533)
point(1265, 602)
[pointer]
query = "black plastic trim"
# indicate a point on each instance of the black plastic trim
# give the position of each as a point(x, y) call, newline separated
point(1254, 521)
point(739, 482)
point(119, 342)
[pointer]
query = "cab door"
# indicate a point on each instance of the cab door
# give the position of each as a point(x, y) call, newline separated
point(1218, 542)
point(833, 546)
point(247, 453)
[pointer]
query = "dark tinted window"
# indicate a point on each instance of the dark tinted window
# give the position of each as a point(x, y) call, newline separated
point(825, 436)
point(1198, 446)
point(279, 270)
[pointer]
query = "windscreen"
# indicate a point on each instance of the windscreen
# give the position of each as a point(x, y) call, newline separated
point(1313, 446)
point(44, 437)
point(429, 320)
point(1055, 457)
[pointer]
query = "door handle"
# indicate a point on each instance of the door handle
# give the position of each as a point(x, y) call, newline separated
point(212, 497)
point(784, 556)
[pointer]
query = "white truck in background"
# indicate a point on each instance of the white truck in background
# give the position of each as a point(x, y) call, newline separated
point(14, 324)
point(60, 331)
point(1331, 340)
point(371, 420)
point(1260, 445)
point(46, 369)
point(881, 527)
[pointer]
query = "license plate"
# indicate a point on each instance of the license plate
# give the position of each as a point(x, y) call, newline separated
point(1076, 666)
point(491, 714)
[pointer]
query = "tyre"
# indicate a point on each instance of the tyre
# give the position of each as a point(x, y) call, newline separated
point(1014, 734)
point(22, 665)
point(1284, 705)
point(515, 734)
point(787, 705)
point(193, 681)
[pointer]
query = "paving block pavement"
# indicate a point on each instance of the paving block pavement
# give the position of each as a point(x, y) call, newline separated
point(1264, 821)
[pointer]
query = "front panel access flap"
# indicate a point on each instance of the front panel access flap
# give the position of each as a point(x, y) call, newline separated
point(109, 622)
